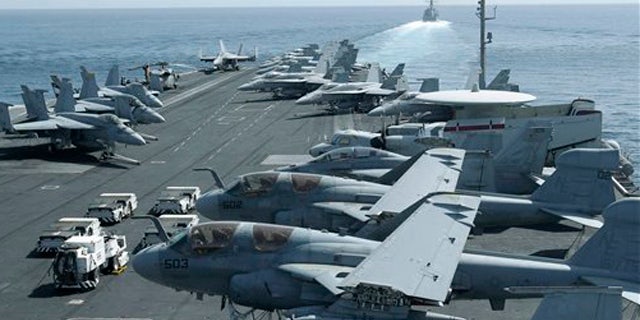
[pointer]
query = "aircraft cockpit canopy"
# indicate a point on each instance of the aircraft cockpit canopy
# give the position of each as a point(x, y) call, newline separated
point(304, 182)
point(211, 236)
point(270, 237)
point(342, 154)
point(254, 183)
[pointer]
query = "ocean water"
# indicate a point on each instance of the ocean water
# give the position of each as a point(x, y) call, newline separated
point(556, 53)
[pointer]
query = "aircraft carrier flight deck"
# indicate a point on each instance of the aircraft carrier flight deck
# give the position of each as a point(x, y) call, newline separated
point(209, 124)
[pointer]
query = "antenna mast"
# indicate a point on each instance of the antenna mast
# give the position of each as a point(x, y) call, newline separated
point(481, 14)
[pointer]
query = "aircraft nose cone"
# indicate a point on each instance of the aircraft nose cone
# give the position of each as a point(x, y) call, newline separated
point(247, 86)
point(146, 263)
point(133, 138)
point(306, 99)
point(319, 149)
point(154, 117)
point(154, 102)
point(206, 205)
point(376, 112)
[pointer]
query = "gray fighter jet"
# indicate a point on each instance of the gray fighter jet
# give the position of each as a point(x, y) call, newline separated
point(508, 170)
point(226, 60)
point(123, 105)
point(359, 95)
point(306, 272)
point(113, 87)
point(88, 132)
point(578, 190)
point(330, 67)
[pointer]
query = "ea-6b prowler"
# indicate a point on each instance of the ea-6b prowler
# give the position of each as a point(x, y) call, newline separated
point(579, 189)
point(313, 273)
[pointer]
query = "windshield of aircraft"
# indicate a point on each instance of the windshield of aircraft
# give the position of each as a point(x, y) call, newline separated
point(110, 118)
point(304, 182)
point(270, 237)
point(254, 183)
point(340, 140)
point(211, 236)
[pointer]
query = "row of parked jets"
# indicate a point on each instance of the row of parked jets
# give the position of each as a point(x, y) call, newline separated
point(374, 227)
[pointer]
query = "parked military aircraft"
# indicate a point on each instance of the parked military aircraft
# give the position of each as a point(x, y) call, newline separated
point(333, 203)
point(88, 132)
point(123, 105)
point(113, 87)
point(448, 214)
point(226, 60)
point(359, 95)
point(160, 79)
point(330, 67)
point(487, 115)
point(507, 170)
point(306, 272)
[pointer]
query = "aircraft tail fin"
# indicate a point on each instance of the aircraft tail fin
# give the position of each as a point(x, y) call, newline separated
point(394, 79)
point(122, 107)
point(322, 66)
point(394, 174)
point(340, 76)
point(374, 73)
point(576, 302)
point(223, 49)
point(113, 78)
point(240, 49)
point(525, 154)
point(614, 247)
point(472, 79)
point(89, 85)
point(501, 82)
point(5, 118)
point(582, 179)
point(398, 71)
point(155, 83)
point(65, 101)
point(56, 85)
point(34, 103)
point(430, 85)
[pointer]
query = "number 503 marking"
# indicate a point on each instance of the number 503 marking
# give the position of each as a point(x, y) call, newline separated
point(176, 263)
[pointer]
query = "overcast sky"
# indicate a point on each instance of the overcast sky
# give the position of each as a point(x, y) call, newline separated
point(59, 4)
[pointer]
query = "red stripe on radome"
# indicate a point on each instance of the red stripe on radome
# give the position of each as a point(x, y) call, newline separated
point(475, 128)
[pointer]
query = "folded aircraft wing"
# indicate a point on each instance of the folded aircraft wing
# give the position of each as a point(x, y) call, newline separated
point(329, 276)
point(420, 257)
point(36, 125)
point(355, 210)
point(52, 124)
point(437, 170)
point(379, 92)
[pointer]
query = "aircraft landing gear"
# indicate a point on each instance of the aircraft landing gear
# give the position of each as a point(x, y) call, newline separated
point(253, 314)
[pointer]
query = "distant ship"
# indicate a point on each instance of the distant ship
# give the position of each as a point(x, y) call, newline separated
point(430, 13)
